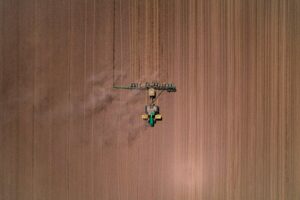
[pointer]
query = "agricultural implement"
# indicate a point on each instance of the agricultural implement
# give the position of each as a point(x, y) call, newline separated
point(152, 114)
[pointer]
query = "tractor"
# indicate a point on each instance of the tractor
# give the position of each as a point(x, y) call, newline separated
point(152, 114)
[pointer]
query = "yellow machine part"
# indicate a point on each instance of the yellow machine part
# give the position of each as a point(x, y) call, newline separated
point(158, 117)
point(152, 92)
point(144, 117)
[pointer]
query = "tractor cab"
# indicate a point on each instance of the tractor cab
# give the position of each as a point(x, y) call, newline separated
point(152, 114)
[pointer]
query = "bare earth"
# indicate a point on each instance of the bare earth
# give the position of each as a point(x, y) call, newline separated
point(230, 132)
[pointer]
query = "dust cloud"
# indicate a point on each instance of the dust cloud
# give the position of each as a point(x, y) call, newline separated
point(122, 108)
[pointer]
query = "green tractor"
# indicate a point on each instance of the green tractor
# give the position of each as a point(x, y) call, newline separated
point(152, 114)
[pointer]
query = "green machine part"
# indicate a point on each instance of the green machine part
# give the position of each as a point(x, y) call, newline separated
point(152, 119)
